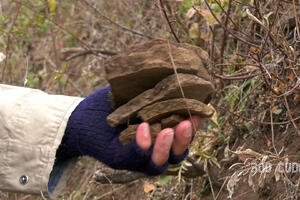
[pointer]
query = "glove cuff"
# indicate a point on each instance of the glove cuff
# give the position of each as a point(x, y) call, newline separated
point(87, 118)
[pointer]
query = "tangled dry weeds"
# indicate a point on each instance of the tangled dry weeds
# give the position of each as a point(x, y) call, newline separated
point(254, 46)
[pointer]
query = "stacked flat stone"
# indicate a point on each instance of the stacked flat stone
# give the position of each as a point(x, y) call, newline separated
point(145, 86)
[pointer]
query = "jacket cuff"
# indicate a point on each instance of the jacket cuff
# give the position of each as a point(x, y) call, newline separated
point(61, 168)
point(59, 176)
point(32, 124)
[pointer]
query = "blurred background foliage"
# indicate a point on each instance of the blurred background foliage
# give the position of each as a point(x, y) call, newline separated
point(59, 46)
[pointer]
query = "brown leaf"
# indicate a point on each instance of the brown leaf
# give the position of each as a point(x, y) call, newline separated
point(149, 187)
point(291, 76)
point(277, 90)
point(274, 109)
point(277, 175)
point(207, 15)
point(286, 160)
point(297, 98)
point(243, 155)
point(269, 143)
point(190, 13)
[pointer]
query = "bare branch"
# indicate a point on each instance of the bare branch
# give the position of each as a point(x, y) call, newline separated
point(113, 22)
point(168, 21)
point(229, 31)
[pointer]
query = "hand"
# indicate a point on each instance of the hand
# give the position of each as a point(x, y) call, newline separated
point(88, 133)
point(165, 141)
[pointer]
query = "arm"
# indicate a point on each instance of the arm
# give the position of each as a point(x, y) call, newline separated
point(33, 125)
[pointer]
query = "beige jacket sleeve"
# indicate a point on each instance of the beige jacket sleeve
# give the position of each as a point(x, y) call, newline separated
point(32, 124)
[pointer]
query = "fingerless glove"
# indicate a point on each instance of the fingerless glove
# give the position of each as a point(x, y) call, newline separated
point(87, 133)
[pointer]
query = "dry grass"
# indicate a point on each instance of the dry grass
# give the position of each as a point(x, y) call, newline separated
point(254, 48)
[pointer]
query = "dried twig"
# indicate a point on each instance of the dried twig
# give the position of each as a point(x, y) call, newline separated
point(84, 44)
point(292, 90)
point(224, 77)
point(168, 21)
point(259, 122)
point(181, 90)
point(224, 183)
point(296, 19)
point(117, 178)
point(113, 190)
point(211, 185)
point(226, 29)
point(113, 22)
point(86, 52)
point(123, 177)
point(290, 114)
point(224, 40)
point(272, 132)
point(289, 2)
point(14, 19)
point(228, 16)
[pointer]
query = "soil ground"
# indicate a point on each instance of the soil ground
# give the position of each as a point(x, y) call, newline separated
point(48, 49)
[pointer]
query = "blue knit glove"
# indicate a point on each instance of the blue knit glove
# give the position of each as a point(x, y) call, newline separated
point(88, 133)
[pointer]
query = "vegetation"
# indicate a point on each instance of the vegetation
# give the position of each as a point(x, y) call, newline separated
point(60, 47)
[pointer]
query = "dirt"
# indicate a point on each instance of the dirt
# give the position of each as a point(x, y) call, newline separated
point(44, 63)
point(144, 65)
point(263, 188)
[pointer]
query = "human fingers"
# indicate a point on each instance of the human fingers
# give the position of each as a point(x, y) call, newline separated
point(143, 137)
point(183, 134)
point(162, 146)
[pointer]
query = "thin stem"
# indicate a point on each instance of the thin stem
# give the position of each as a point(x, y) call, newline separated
point(168, 20)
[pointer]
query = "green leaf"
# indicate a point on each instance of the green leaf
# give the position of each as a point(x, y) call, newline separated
point(139, 12)
point(278, 111)
point(52, 5)
point(187, 4)
point(57, 76)
point(163, 180)
point(174, 169)
point(63, 80)
point(223, 135)
point(235, 97)
point(32, 80)
point(64, 66)
point(247, 125)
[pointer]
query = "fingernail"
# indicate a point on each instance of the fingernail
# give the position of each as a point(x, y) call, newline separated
point(146, 130)
point(188, 131)
point(168, 139)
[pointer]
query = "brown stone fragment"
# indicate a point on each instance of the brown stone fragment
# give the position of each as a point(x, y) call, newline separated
point(171, 121)
point(160, 110)
point(144, 65)
point(129, 134)
point(193, 86)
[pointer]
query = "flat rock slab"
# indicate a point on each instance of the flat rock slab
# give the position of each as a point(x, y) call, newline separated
point(193, 87)
point(160, 110)
point(144, 65)
point(171, 121)
point(128, 134)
